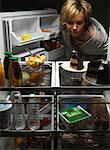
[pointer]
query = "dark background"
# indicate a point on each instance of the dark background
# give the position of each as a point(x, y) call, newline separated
point(100, 7)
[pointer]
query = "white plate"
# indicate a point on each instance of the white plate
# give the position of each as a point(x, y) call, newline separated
point(66, 66)
point(5, 105)
point(91, 81)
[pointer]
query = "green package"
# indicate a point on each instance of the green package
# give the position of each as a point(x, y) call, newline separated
point(75, 114)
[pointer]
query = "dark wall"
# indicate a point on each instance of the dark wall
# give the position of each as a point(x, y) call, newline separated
point(100, 7)
point(18, 5)
point(101, 11)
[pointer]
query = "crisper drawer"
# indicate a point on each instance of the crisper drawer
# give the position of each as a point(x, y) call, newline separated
point(83, 122)
point(91, 112)
point(27, 143)
point(41, 77)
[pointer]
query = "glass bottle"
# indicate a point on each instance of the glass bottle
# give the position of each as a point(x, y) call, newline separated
point(6, 63)
point(2, 75)
point(107, 72)
point(33, 113)
point(100, 74)
point(103, 76)
point(15, 73)
point(19, 112)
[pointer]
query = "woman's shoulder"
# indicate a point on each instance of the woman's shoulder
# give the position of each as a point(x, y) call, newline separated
point(98, 26)
point(97, 30)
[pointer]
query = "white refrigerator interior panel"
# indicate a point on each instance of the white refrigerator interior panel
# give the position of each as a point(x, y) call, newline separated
point(51, 24)
point(22, 26)
point(27, 23)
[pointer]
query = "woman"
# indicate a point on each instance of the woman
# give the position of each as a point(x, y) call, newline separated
point(82, 32)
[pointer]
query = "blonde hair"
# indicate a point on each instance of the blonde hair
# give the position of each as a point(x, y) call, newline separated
point(73, 7)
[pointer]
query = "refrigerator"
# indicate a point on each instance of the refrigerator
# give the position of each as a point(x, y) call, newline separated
point(56, 90)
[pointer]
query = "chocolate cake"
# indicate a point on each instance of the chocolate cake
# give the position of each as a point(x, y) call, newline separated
point(76, 61)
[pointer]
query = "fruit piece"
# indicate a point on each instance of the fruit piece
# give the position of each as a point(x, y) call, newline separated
point(18, 140)
point(35, 61)
point(34, 76)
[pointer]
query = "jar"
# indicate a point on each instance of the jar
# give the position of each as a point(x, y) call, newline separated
point(5, 114)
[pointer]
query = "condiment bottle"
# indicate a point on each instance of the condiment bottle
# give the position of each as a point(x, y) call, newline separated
point(100, 74)
point(107, 72)
point(103, 76)
point(2, 75)
point(6, 63)
point(15, 74)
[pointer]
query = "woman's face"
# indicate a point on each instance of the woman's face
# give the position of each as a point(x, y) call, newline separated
point(76, 25)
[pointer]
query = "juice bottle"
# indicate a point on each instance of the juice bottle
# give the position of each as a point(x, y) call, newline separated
point(6, 63)
point(2, 75)
point(15, 74)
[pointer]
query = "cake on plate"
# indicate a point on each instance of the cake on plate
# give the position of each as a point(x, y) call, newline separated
point(76, 61)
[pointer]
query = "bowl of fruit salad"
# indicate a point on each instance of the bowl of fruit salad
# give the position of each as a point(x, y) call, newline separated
point(35, 68)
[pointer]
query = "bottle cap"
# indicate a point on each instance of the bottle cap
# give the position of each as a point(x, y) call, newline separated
point(74, 51)
point(17, 95)
point(32, 95)
point(14, 58)
point(7, 53)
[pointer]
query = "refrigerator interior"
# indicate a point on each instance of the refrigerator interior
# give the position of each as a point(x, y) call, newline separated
point(43, 25)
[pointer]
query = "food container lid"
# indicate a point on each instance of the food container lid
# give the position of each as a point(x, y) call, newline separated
point(5, 105)
point(7, 53)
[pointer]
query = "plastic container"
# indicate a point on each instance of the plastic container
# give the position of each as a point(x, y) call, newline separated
point(5, 114)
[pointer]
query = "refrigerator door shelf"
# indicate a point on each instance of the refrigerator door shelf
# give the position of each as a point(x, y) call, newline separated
point(49, 24)
point(53, 34)
point(17, 41)
point(20, 26)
